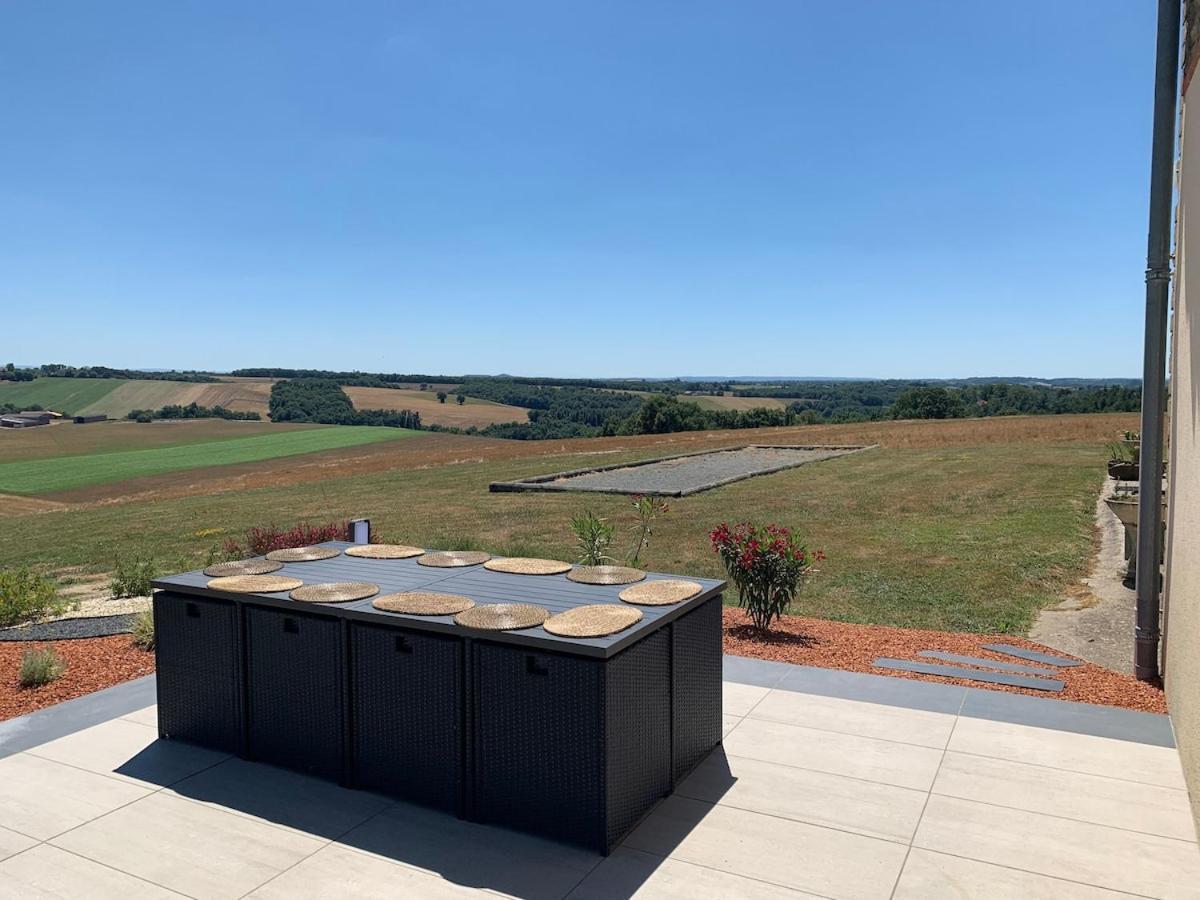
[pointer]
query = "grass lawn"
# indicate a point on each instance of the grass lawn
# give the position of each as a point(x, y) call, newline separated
point(969, 538)
point(40, 476)
point(64, 395)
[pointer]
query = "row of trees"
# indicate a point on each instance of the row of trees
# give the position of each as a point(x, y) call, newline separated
point(322, 400)
point(191, 411)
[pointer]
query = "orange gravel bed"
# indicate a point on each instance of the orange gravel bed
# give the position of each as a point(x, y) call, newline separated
point(92, 664)
point(838, 645)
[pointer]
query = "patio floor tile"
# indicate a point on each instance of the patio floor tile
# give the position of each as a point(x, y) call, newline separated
point(631, 873)
point(130, 752)
point(311, 805)
point(146, 716)
point(189, 847)
point(866, 807)
point(839, 754)
point(336, 872)
point(42, 798)
point(13, 842)
point(891, 723)
point(817, 860)
point(1077, 851)
point(933, 876)
point(1089, 798)
point(48, 872)
point(739, 699)
point(473, 855)
point(1065, 750)
point(728, 723)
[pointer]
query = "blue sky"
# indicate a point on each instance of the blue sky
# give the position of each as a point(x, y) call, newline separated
point(653, 188)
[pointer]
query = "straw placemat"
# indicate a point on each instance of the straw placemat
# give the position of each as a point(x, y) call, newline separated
point(660, 593)
point(597, 620)
point(243, 567)
point(524, 565)
point(384, 551)
point(423, 603)
point(303, 554)
point(606, 575)
point(503, 616)
point(452, 559)
point(335, 592)
point(255, 584)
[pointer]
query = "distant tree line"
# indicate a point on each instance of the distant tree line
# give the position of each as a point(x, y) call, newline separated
point(1012, 400)
point(11, 373)
point(58, 370)
point(322, 401)
point(191, 411)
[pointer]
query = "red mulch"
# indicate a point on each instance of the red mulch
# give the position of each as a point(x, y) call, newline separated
point(837, 645)
point(92, 664)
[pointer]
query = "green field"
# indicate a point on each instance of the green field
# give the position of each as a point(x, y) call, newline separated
point(966, 538)
point(64, 395)
point(41, 476)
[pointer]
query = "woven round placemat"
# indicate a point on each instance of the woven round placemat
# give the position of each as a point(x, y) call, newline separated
point(243, 567)
point(255, 584)
point(503, 616)
point(384, 551)
point(660, 593)
point(453, 559)
point(335, 592)
point(606, 575)
point(524, 565)
point(303, 554)
point(597, 620)
point(423, 603)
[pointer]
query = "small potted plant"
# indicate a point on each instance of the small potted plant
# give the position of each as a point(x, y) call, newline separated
point(766, 563)
point(1123, 460)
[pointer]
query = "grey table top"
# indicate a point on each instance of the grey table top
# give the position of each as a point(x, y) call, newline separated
point(554, 592)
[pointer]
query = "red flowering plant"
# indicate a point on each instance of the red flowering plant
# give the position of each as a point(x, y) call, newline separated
point(766, 563)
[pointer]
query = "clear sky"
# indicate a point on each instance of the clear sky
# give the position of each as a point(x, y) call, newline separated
point(585, 189)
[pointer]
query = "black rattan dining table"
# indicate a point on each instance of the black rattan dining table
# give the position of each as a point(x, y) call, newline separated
point(573, 738)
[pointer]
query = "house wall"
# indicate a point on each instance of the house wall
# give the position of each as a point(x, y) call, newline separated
point(1181, 664)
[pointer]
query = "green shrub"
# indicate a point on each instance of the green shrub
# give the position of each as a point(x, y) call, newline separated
point(592, 538)
point(143, 630)
point(26, 596)
point(41, 666)
point(132, 577)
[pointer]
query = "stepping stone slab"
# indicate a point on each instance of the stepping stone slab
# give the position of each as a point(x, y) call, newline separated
point(1032, 655)
point(907, 665)
point(986, 663)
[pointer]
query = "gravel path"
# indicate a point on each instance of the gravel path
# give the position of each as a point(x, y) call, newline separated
point(688, 474)
point(70, 629)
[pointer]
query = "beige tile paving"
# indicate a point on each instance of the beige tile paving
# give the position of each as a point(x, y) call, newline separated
point(337, 872)
point(1062, 848)
point(936, 876)
point(189, 847)
point(13, 842)
point(145, 716)
point(780, 851)
point(739, 699)
point(728, 723)
point(839, 754)
point(631, 873)
point(280, 797)
point(47, 872)
point(470, 854)
point(892, 723)
point(129, 751)
point(850, 804)
point(41, 798)
point(1065, 750)
point(1089, 798)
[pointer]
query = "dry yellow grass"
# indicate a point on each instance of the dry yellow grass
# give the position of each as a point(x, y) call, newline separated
point(479, 413)
point(739, 404)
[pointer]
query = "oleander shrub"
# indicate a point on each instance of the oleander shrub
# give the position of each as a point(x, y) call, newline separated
point(766, 563)
point(142, 634)
point(40, 666)
point(266, 538)
point(593, 535)
point(26, 596)
point(132, 576)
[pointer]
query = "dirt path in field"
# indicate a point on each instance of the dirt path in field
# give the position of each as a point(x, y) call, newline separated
point(16, 505)
point(431, 450)
point(1096, 622)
